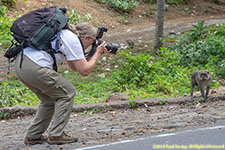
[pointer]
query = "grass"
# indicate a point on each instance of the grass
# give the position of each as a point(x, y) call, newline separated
point(140, 72)
point(104, 79)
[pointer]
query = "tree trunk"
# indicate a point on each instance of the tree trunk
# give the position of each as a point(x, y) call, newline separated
point(159, 24)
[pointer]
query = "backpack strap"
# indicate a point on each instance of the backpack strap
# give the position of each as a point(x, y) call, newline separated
point(66, 27)
point(54, 60)
point(9, 61)
point(57, 44)
point(52, 51)
point(81, 45)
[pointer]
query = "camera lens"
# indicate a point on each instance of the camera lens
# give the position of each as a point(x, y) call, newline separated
point(113, 47)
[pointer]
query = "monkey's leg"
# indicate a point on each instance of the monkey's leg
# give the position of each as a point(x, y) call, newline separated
point(192, 90)
point(207, 92)
point(201, 86)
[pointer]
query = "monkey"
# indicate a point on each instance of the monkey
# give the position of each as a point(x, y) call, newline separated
point(130, 43)
point(201, 78)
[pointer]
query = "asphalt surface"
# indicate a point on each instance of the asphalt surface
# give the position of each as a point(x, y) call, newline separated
point(104, 123)
point(207, 137)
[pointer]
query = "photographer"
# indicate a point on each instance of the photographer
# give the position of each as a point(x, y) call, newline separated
point(56, 94)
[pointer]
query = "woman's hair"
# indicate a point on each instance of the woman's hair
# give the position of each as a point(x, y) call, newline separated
point(83, 29)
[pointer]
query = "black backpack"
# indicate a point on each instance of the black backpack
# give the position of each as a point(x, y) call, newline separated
point(37, 29)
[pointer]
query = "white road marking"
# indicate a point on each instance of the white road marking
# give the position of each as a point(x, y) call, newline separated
point(150, 137)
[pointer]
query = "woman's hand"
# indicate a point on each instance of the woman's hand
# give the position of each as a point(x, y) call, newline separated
point(101, 49)
point(85, 67)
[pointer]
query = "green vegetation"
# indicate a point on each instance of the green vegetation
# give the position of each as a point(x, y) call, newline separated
point(150, 11)
point(203, 47)
point(126, 6)
point(132, 104)
point(75, 18)
point(13, 93)
point(122, 19)
point(123, 6)
point(4, 115)
point(162, 102)
point(140, 75)
point(5, 24)
point(8, 3)
point(194, 102)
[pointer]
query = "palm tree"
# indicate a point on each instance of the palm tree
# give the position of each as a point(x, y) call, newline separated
point(159, 24)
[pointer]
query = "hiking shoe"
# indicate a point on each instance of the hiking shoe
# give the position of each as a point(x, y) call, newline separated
point(63, 139)
point(31, 141)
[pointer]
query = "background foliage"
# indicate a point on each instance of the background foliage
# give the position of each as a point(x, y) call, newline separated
point(203, 46)
point(5, 24)
point(14, 93)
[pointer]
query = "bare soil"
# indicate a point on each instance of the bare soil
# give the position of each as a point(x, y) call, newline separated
point(140, 17)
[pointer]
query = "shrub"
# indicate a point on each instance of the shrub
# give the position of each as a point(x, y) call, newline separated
point(203, 46)
point(123, 6)
point(12, 94)
point(74, 18)
point(143, 71)
point(132, 104)
point(5, 25)
point(135, 71)
point(8, 3)
point(4, 115)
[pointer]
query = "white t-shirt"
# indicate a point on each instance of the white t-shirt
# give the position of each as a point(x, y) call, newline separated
point(70, 47)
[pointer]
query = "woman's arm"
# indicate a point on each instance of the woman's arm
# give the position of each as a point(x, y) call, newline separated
point(85, 67)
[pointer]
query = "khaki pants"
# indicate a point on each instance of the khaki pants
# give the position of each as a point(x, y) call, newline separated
point(56, 96)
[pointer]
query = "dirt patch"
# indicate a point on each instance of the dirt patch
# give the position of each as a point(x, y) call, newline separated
point(141, 16)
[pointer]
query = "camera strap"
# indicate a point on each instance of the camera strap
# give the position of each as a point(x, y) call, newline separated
point(82, 45)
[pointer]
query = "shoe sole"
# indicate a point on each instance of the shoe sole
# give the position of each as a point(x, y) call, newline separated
point(52, 142)
point(36, 142)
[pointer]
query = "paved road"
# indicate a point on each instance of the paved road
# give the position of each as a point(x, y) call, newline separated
point(120, 124)
point(208, 137)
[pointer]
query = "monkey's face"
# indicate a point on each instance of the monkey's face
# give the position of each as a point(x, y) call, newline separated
point(204, 76)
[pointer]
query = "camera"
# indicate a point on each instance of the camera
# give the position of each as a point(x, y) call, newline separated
point(110, 46)
point(13, 51)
